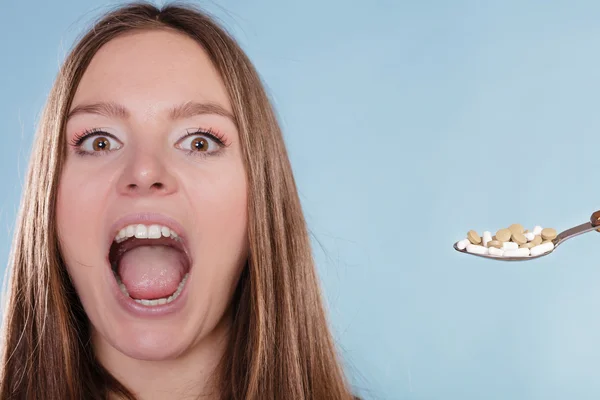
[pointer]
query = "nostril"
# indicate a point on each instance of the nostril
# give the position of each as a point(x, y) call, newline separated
point(155, 186)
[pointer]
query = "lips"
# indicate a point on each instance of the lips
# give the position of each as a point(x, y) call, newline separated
point(149, 258)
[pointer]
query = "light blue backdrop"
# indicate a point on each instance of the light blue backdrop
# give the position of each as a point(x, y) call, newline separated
point(408, 123)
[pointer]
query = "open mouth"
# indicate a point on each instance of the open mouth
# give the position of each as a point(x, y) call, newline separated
point(150, 263)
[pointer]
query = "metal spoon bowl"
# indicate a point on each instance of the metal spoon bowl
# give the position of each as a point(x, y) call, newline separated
point(594, 224)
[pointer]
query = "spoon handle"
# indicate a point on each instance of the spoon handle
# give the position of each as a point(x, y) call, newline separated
point(594, 224)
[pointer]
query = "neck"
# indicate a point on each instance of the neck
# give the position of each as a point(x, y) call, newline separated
point(189, 376)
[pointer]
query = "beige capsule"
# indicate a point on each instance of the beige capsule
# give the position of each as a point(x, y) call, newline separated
point(548, 233)
point(536, 240)
point(473, 237)
point(528, 245)
point(518, 238)
point(503, 235)
point(495, 243)
point(516, 228)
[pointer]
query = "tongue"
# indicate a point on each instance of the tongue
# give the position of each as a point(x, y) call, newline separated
point(152, 272)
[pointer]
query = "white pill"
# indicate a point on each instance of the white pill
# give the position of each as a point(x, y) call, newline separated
point(509, 246)
point(463, 244)
point(537, 230)
point(530, 236)
point(487, 237)
point(542, 248)
point(476, 249)
point(496, 252)
point(522, 252)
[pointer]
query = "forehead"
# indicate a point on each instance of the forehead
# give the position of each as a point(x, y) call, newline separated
point(150, 70)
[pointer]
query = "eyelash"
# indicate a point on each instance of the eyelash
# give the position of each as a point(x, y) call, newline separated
point(79, 138)
point(210, 133)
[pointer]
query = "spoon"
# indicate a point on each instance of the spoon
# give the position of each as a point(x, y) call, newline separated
point(594, 224)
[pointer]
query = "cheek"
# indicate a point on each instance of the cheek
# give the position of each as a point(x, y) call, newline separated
point(78, 217)
point(219, 207)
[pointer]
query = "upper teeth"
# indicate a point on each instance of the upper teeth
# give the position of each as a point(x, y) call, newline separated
point(142, 231)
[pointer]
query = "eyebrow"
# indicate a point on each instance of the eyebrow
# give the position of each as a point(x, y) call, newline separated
point(105, 109)
point(186, 110)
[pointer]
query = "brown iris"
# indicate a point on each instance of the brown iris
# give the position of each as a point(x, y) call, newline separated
point(101, 144)
point(200, 144)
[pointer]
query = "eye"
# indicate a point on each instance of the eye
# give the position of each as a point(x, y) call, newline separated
point(200, 142)
point(95, 142)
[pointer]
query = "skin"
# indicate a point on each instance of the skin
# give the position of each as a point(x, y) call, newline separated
point(150, 169)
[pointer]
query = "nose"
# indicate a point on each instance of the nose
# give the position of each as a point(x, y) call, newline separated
point(146, 173)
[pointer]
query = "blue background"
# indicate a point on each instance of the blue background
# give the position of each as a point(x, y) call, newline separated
point(408, 123)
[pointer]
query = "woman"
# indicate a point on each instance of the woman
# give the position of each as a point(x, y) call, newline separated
point(161, 250)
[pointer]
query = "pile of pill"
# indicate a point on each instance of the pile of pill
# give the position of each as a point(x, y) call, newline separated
point(513, 241)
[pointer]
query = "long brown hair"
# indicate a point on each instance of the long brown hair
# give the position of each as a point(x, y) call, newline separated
point(280, 345)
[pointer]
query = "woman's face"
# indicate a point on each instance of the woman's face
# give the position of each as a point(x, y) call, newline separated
point(152, 199)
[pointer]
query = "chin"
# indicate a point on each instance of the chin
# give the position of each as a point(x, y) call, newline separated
point(150, 343)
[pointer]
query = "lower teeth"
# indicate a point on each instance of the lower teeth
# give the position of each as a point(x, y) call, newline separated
point(156, 302)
